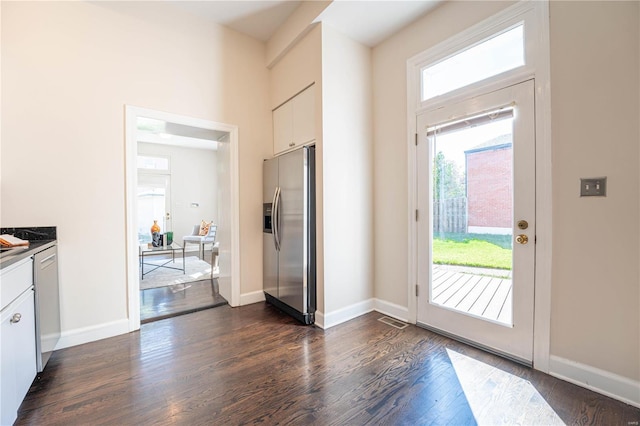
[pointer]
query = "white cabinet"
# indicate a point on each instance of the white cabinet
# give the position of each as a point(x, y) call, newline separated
point(17, 338)
point(282, 128)
point(304, 123)
point(294, 121)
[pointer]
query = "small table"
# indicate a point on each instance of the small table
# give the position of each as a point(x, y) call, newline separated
point(148, 250)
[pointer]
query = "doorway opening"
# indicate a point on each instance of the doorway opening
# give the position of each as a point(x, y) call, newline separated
point(182, 210)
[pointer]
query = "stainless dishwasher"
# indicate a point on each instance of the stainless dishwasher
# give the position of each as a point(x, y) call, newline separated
point(45, 268)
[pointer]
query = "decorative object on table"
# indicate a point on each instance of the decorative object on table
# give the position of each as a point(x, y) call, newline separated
point(197, 237)
point(156, 239)
point(169, 237)
point(155, 228)
point(7, 240)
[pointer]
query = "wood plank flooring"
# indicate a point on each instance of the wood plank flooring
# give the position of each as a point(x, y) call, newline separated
point(480, 293)
point(165, 302)
point(253, 364)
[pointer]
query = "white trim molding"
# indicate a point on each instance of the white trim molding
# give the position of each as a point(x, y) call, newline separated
point(535, 14)
point(80, 336)
point(597, 380)
point(391, 310)
point(253, 297)
point(331, 319)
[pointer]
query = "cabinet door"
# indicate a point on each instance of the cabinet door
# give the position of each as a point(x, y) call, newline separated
point(18, 363)
point(282, 128)
point(304, 124)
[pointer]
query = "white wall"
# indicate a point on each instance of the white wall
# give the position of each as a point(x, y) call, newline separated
point(194, 179)
point(68, 69)
point(595, 320)
point(347, 179)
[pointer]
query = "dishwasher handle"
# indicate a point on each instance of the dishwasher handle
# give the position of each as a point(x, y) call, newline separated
point(48, 261)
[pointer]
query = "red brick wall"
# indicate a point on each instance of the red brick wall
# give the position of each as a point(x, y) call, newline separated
point(489, 188)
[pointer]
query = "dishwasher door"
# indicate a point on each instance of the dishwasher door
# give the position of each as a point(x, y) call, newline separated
point(45, 267)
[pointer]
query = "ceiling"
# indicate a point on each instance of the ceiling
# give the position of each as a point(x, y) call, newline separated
point(259, 19)
point(366, 21)
point(371, 22)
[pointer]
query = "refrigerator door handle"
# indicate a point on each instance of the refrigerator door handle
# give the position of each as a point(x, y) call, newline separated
point(276, 219)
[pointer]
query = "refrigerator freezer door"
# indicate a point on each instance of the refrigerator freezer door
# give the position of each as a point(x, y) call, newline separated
point(270, 256)
point(292, 261)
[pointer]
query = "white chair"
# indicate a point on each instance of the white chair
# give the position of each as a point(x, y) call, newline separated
point(196, 238)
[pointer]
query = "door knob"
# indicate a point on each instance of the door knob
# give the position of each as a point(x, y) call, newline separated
point(522, 239)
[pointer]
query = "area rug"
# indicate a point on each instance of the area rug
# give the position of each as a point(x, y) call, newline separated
point(195, 270)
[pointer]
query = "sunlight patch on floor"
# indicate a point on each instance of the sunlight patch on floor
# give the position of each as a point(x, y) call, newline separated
point(498, 397)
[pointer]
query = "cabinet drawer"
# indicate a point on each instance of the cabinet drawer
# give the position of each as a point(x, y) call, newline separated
point(14, 280)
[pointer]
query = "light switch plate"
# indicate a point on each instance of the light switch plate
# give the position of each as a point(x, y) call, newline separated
point(593, 187)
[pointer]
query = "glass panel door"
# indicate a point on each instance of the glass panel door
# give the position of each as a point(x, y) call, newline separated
point(476, 247)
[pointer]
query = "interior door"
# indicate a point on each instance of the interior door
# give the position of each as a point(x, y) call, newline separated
point(476, 226)
point(154, 203)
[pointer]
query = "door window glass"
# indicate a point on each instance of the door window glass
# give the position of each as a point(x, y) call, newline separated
point(473, 214)
point(501, 52)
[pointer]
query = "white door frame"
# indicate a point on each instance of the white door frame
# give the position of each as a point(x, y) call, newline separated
point(131, 141)
point(537, 15)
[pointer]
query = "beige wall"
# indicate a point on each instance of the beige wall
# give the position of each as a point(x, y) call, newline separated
point(68, 69)
point(595, 131)
point(293, 30)
point(348, 152)
point(390, 136)
point(595, 123)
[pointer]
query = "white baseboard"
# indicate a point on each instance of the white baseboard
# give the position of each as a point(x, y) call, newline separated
point(391, 309)
point(347, 313)
point(601, 381)
point(253, 297)
point(319, 320)
point(83, 335)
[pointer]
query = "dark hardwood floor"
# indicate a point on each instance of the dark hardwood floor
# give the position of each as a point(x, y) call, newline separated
point(165, 302)
point(253, 364)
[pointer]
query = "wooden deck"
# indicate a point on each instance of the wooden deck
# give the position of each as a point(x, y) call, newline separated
point(481, 292)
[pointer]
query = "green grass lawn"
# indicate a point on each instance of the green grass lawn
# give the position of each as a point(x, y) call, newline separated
point(485, 251)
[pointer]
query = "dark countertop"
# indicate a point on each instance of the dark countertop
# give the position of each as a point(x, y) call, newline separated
point(11, 256)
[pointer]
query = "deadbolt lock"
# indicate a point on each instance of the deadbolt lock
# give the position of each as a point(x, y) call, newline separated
point(523, 224)
point(522, 239)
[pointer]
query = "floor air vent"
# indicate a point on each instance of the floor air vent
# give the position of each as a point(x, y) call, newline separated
point(393, 322)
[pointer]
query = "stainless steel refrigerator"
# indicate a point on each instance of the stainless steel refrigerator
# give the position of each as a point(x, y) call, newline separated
point(288, 239)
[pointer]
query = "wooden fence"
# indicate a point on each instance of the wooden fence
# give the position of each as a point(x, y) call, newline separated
point(450, 215)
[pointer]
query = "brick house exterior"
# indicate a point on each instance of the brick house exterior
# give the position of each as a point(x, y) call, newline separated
point(489, 169)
